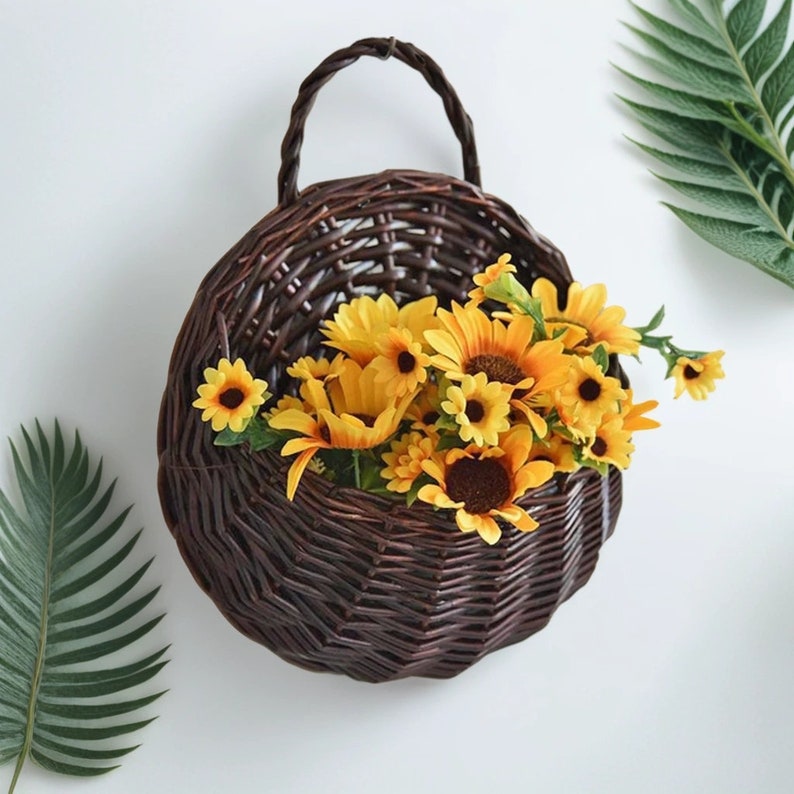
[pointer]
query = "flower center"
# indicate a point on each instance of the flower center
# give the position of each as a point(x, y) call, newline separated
point(498, 368)
point(430, 418)
point(589, 390)
point(231, 398)
point(481, 485)
point(406, 362)
point(368, 420)
point(690, 373)
point(474, 410)
point(599, 447)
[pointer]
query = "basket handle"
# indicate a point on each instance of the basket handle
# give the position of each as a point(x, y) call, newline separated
point(378, 48)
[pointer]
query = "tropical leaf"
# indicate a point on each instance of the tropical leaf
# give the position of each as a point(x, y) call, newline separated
point(67, 601)
point(721, 96)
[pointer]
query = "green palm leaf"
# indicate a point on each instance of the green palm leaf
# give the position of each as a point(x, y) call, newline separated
point(67, 601)
point(724, 105)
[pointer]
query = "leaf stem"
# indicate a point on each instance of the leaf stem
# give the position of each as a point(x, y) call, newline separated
point(757, 195)
point(777, 149)
point(39, 665)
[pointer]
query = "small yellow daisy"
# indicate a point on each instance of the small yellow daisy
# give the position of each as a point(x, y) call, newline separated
point(229, 395)
point(480, 407)
point(696, 376)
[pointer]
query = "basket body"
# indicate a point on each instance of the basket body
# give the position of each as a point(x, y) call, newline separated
point(340, 580)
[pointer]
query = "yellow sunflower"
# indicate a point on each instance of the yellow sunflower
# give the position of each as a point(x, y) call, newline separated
point(482, 485)
point(585, 310)
point(355, 413)
point(696, 376)
point(322, 369)
point(480, 407)
point(404, 461)
point(611, 443)
point(229, 395)
point(358, 325)
point(470, 342)
point(488, 276)
point(285, 403)
point(556, 449)
point(587, 395)
point(401, 365)
point(425, 410)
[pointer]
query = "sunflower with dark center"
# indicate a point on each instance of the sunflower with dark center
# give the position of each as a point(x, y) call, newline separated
point(351, 412)
point(482, 485)
point(229, 395)
point(401, 365)
point(611, 443)
point(696, 376)
point(358, 325)
point(470, 342)
point(556, 449)
point(586, 396)
point(480, 409)
point(586, 319)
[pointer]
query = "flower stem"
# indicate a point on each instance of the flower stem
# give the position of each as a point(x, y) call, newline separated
point(357, 467)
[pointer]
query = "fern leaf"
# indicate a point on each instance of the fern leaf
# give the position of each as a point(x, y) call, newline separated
point(67, 598)
point(721, 96)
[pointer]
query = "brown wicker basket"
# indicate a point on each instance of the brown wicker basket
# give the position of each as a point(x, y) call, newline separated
point(342, 580)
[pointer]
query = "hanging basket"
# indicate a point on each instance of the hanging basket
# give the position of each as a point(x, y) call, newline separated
point(342, 580)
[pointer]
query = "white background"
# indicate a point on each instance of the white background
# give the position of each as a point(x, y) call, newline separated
point(139, 140)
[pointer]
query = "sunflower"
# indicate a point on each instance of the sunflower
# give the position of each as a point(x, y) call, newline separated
point(425, 410)
point(585, 310)
point(633, 415)
point(587, 395)
point(285, 403)
point(353, 414)
point(401, 365)
point(470, 342)
point(480, 407)
point(357, 326)
point(230, 395)
point(489, 276)
point(696, 376)
point(404, 461)
point(611, 443)
point(482, 485)
point(322, 369)
point(556, 449)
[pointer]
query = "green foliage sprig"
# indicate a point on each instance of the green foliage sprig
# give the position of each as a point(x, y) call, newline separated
point(68, 603)
point(726, 106)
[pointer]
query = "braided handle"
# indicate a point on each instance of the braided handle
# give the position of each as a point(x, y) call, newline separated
point(379, 48)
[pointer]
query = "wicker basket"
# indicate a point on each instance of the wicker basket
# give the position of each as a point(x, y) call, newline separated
point(341, 580)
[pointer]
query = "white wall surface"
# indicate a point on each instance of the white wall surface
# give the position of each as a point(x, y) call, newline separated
point(139, 140)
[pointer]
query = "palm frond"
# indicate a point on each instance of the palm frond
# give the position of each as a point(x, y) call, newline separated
point(724, 106)
point(67, 599)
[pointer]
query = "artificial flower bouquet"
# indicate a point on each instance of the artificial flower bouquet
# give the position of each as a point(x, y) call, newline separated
point(465, 408)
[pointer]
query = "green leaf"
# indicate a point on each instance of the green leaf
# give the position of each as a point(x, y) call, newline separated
point(766, 49)
point(779, 86)
point(743, 21)
point(601, 358)
point(59, 612)
point(725, 106)
point(762, 248)
point(686, 43)
point(709, 172)
point(734, 204)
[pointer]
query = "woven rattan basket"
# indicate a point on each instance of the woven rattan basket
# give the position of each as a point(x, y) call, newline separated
point(341, 580)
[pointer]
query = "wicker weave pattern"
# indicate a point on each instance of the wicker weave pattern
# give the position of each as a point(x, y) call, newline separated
point(341, 580)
